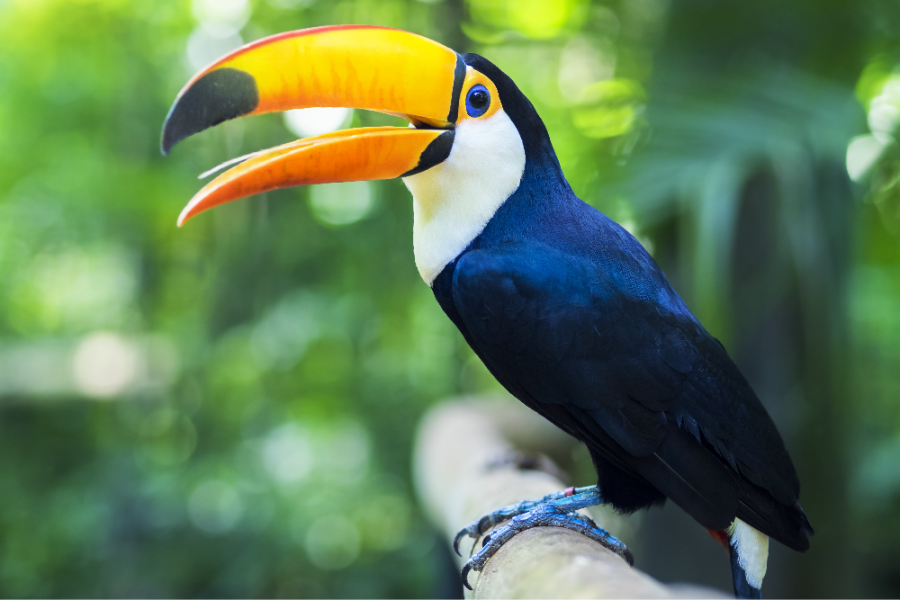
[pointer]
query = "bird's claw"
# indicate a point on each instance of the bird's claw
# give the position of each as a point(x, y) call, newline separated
point(457, 539)
point(555, 510)
point(476, 528)
point(465, 576)
point(472, 530)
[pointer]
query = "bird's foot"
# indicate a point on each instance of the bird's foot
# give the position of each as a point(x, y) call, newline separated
point(479, 527)
point(553, 510)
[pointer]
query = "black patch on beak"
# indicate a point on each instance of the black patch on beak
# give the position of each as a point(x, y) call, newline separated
point(459, 75)
point(218, 96)
point(436, 152)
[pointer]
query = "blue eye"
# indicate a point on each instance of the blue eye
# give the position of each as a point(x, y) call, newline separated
point(477, 101)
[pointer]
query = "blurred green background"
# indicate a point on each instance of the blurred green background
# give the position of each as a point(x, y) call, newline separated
point(228, 409)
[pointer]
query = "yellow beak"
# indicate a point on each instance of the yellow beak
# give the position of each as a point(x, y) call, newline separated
point(372, 68)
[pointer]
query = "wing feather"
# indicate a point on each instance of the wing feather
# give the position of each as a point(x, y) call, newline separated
point(643, 375)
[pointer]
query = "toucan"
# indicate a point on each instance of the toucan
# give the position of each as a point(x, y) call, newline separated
point(563, 305)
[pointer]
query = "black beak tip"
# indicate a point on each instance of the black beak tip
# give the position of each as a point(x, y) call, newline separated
point(218, 96)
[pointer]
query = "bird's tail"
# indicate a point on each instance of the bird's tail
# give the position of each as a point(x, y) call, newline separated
point(786, 524)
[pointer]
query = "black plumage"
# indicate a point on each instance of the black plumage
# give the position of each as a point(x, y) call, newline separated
point(569, 312)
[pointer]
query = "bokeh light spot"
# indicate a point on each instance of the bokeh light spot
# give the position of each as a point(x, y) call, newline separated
point(332, 543)
point(287, 454)
point(215, 507)
point(338, 204)
point(582, 63)
point(306, 122)
point(221, 18)
point(862, 153)
point(386, 520)
point(105, 364)
point(609, 108)
point(204, 47)
point(167, 437)
point(539, 19)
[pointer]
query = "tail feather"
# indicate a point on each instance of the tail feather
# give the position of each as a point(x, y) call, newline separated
point(805, 527)
point(786, 524)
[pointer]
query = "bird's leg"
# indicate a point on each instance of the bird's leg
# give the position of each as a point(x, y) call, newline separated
point(553, 510)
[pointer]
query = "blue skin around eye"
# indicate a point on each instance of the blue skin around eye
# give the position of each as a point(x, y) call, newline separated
point(471, 110)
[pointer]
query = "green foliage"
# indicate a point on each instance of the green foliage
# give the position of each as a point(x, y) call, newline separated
point(228, 409)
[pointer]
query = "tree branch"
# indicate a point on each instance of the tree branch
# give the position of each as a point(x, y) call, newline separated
point(463, 471)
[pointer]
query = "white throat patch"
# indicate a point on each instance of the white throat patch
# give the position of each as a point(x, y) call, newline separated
point(453, 201)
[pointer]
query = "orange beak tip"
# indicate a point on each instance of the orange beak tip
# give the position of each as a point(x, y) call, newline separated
point(186, 214)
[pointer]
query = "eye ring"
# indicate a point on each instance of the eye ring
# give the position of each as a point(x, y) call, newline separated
point(478, 100)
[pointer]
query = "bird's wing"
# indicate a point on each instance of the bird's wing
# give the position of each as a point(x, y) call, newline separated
point(567, 334)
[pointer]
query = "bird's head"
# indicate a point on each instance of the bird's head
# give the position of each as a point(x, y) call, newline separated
point(464, 153)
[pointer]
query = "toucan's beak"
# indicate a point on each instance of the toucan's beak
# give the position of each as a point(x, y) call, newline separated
point(373, 68)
